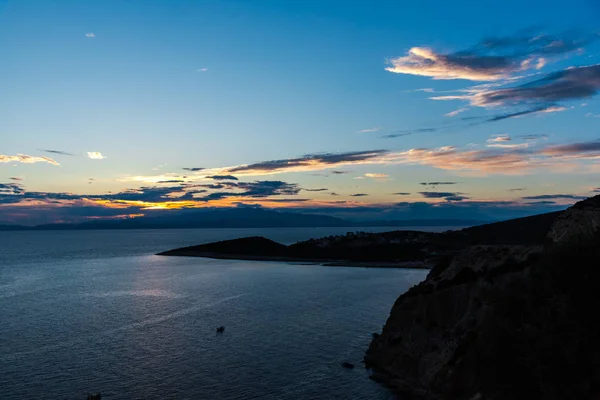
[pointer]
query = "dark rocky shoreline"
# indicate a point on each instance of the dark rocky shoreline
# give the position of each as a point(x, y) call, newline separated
point(396, 249)
point(501, 322)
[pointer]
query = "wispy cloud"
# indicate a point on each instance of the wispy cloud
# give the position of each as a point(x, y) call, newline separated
point(396, 135)
point(568, 84)
point(504, 160)
point(425, 61)
point(499, 139)
point(500, 156)
point(11, 189)
point(369, 130)
point(545, 109)
point(23, 158)
point(64, 153)
point(359, 195)
point(202, 70)
point(193, 169)
point(90, 35)
point(376, 175)
point(402, 193)
point(555, 197)
point(407, 132)
point(437, 183)
point(456, 112)
point(533, 136)
point(15, 178)
point(539, 96)
point(448, 196)
point(494, 58)
point(583, 149)
point(507, 145)
point(222, 177)
point(309, 162)
point(95, 155)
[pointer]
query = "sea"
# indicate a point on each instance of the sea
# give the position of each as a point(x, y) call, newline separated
point(98, 312)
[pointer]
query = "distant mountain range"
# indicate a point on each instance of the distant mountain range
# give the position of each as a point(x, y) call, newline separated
point(238, 218)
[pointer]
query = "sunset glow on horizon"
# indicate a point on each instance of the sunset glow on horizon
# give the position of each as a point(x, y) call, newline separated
point(363, 110)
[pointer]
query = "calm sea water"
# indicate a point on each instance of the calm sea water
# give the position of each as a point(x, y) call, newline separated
point(96, 311)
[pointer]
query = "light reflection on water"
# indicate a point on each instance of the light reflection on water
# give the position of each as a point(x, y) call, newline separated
point(97, 312)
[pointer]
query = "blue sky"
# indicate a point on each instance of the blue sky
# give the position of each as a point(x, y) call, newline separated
point(486, 99)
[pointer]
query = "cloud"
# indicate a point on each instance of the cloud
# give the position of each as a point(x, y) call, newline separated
point(309, 162)
point(193, 169)
point(23, 158)
point(90, 35)
point(340, 172)
point(396, 135)
point(64, 153)
point(494, 58)
point(516, 189)
point(448, 196)
point(407, 132)
point(424, 61)
point(437, 183)
point(94, 155)
point(15, 178)
point(171, 181)
point(541, 63)
point(222, 177)
point(316, 190)
point(376, 175)
point(268, 188)
point(533, 136)
point(499, 161)
point(499, 138)
point(369, 130)
point(11, 189)
point(508, 145)
point(256, 189)
point(536, 110)
point(402, 193)
point(456, 112)
point(149, 196)
point(555, 197)
point(359, 195)
point(581, 148)
point(568, 84)
point(202, 70)
point(505, 160)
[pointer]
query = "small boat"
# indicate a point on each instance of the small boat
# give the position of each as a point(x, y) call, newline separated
point(220, 329)
point(347, 365)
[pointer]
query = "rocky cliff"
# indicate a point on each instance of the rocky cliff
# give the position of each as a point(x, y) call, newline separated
point(502, 322)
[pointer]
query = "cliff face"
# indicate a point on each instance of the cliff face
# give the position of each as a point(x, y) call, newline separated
point(502, 322)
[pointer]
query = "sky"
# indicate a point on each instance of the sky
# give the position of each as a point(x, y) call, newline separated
point(358, 109)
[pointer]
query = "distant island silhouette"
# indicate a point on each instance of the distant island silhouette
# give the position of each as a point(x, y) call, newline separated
point(396, 249)
point(238, 218)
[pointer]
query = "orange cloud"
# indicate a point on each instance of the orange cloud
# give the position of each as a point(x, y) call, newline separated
point(23, 158)
point(424, 61)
